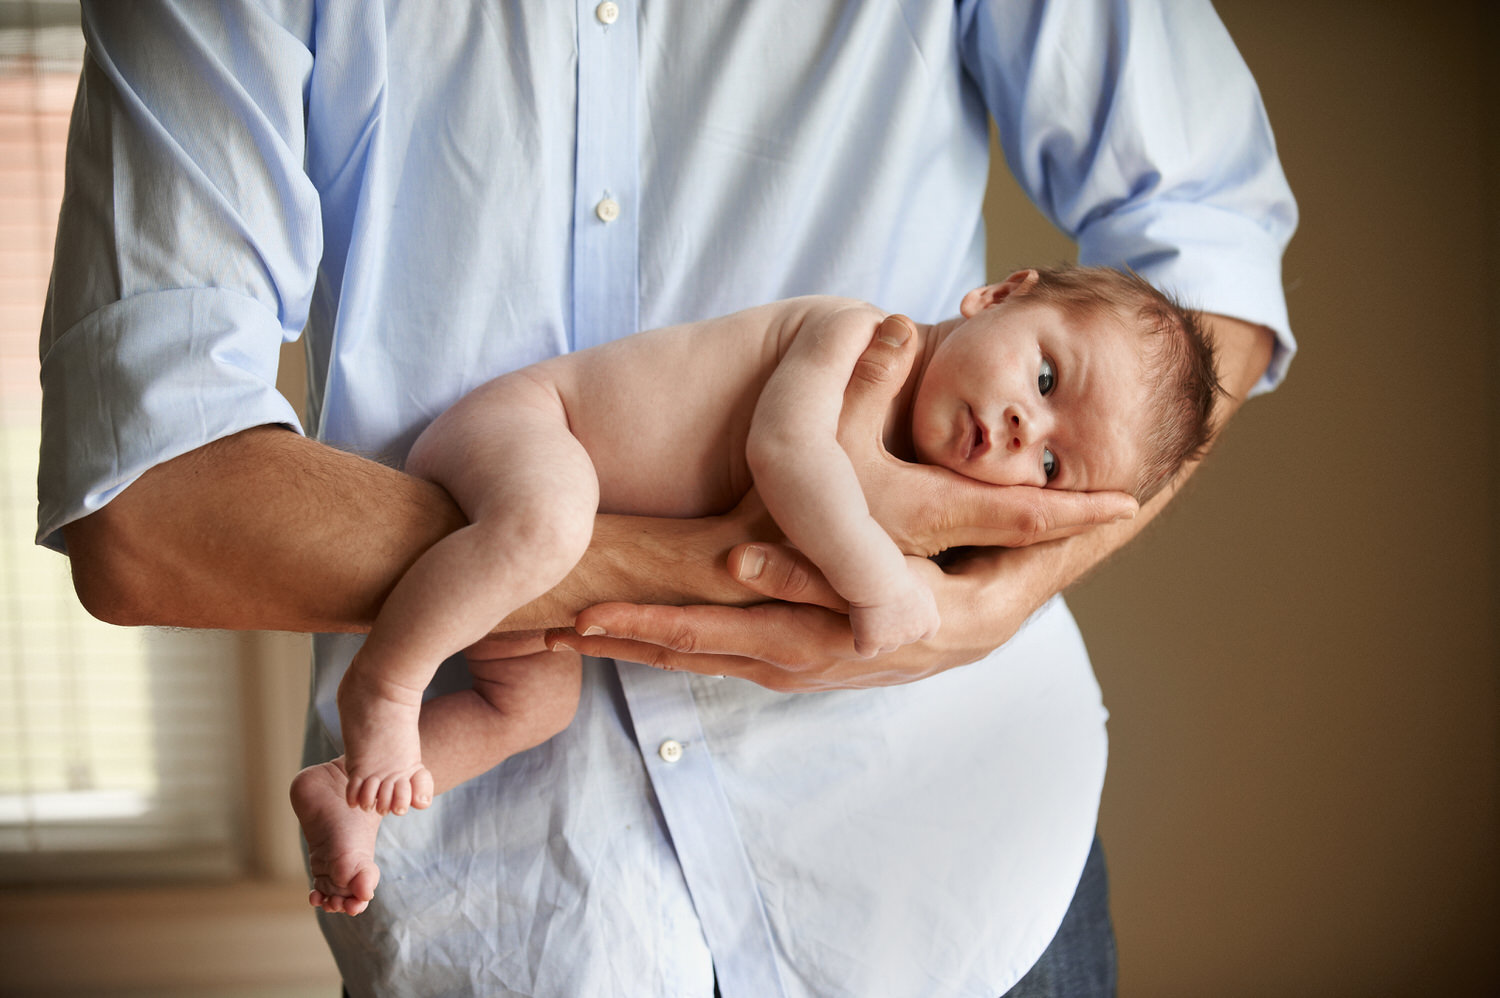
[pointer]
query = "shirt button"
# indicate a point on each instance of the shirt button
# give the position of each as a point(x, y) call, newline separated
point(607, 12)
point(670, 750)
point(608, 210)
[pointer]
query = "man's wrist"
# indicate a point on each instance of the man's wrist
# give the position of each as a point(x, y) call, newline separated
point(648, 560)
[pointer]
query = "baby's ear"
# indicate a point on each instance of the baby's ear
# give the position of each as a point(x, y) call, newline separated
point(979, 299)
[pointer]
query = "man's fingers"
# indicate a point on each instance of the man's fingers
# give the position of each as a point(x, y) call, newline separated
point(1104, 507)
point(703, 630)
point(505, 644)
point(977, 514)
point(786, 647)
point(658, 656)
point(879, 374)
point(779, 572)
point(751, 643)
point(1062, 514)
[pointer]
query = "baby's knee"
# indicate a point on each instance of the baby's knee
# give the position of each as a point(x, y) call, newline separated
point(534, 696)
point(549, 536)
point(428, 455)
point(564, 529)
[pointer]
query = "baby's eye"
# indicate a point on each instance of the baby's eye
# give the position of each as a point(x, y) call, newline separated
point(1046, 378)
point(1049, 464)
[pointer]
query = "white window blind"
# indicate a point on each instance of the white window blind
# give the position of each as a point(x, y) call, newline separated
point(119, 748)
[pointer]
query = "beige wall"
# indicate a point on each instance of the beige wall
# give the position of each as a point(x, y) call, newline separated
point(1301, 657)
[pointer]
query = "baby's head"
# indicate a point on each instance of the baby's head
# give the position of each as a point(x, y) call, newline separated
point(1083, 378)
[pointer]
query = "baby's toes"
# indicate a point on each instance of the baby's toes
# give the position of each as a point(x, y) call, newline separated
point(421, 788)
point(401, 794)
point(385, 793)
point(369, 792)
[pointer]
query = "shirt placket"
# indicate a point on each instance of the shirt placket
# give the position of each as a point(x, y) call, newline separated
point(704, 833)
point(606, 215)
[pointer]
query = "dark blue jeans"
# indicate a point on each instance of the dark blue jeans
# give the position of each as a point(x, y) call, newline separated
point(1080, 960)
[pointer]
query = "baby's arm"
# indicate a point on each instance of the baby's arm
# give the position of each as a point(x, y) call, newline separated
point(810, 487)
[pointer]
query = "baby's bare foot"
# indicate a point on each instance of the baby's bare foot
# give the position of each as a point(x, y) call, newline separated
point(383, 750)
point(340, 840)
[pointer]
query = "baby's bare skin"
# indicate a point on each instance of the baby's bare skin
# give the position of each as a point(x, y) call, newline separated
point(657, 423)
point(673, 422)
point(517, 702)
point(340, 840)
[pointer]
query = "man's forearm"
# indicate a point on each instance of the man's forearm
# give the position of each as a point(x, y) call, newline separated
point(261, 530)
point(268, 530)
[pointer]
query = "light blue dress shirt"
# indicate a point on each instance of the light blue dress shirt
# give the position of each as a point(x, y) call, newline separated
point(439, 192)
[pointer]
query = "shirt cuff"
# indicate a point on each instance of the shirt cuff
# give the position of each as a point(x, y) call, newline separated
point(1211, 259)
point(144, 380)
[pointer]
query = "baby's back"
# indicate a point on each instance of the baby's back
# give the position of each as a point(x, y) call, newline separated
point(665, 414)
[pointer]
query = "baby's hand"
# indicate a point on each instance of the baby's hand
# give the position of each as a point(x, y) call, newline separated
point(908, 614)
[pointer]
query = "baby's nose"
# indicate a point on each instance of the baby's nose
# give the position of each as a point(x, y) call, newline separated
point(1025, 426)
point(1018, 429)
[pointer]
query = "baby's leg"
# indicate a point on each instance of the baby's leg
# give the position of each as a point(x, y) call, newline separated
point(505, 454)
point(516, 703)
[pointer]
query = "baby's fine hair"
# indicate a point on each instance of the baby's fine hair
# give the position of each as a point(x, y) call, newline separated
point(1178, 354)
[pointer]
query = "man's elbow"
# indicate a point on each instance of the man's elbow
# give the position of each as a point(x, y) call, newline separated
point(108, 578)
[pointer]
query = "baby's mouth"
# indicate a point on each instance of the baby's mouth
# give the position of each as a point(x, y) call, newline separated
point(975, 441)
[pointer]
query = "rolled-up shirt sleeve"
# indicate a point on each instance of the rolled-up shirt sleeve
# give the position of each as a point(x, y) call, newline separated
point(187, 248)
point(1142, 136)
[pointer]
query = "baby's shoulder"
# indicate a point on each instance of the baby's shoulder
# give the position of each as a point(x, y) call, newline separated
point(827, 311)
point(829, 305)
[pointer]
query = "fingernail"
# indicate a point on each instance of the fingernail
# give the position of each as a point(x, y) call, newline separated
point(560, 645)
point(893, 332)
point(593, 631)
point(751, 564)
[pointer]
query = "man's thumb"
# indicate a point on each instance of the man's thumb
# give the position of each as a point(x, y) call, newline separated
point(880, 370)
point(783, 573)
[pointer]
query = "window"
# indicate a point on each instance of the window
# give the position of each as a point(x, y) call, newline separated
point(120, 749)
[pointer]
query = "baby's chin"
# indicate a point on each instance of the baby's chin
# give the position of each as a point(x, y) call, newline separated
point(1007, 483)
point(941, 458)
point(969, 474)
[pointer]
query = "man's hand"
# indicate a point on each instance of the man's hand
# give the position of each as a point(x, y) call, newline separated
point(804, 644)
point(928, 509)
